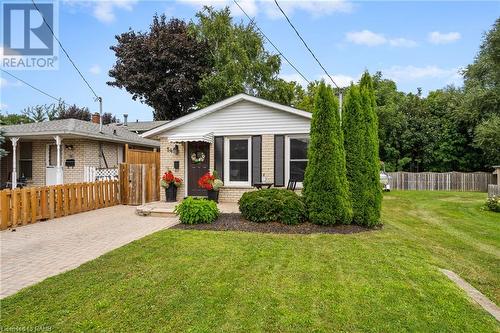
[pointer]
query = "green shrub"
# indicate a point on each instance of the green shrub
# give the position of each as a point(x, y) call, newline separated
point(270, 205)
point(493, 204)
point(195, 211)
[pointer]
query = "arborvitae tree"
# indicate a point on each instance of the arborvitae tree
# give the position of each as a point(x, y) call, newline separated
point(354, 128)
point(325, 189)
point(373, 192)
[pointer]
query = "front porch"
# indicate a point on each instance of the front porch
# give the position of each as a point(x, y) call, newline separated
point(161, 208)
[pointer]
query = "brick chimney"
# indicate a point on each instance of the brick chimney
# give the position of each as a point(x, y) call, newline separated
point(96, 118)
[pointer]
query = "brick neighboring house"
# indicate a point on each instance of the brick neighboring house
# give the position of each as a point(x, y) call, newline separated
point(57, 151)
point(248, 140)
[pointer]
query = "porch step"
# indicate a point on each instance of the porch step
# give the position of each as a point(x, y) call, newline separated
point(156, 209)
point(166, 209)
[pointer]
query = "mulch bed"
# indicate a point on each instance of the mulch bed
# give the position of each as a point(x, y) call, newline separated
point(235, 222)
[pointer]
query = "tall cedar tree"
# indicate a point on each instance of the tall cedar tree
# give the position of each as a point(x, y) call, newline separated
point(326, 189)
point(161, 67)
point(372, 192)
point(354, 128)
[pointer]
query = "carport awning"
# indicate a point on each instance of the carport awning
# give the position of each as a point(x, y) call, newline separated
point(205, 137)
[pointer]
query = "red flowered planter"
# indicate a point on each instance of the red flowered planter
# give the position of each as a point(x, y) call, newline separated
point(170, 183)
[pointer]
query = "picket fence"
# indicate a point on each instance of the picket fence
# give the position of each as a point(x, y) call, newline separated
point(447, 181)
point(30, 205)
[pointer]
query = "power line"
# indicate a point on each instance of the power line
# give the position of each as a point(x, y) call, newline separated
point(270, 42)
point(303, 41)
point(35, 88)
point(64, 50)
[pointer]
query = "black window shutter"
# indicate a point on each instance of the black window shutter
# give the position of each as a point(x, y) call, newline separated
point(256, 159)
point(219, 156)
point(279, 160)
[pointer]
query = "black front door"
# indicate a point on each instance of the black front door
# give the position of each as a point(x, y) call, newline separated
point(198, 165)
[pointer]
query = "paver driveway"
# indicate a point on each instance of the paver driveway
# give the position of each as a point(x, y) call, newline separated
point(35, 252)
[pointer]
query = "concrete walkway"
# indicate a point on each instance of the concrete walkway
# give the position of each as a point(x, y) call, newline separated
point(34, 252)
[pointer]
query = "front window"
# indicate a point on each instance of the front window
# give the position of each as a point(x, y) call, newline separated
point(297, 158)
point(26, 160)
point(238, 161)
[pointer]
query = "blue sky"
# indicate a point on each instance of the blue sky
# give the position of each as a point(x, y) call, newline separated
point(418, 44)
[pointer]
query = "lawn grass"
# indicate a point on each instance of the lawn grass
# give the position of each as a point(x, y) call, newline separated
point(205, 281)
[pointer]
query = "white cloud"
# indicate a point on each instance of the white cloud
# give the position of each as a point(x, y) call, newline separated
point(6, 83)
point(412, 73)
point(3, 106)
point(253, 7)
point(437, 37)
point(294, 77)
point(95, 69)
point(3, 82)
point(340, 79)
point(370, 38)
point(366, 37)
point(103, 10)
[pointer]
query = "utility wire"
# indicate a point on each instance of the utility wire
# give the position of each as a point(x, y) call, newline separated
point(303, 41)
point(64, 50)
point(270, 42)
point(35, 88)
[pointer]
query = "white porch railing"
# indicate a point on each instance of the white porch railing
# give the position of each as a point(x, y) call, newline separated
point(91, 174)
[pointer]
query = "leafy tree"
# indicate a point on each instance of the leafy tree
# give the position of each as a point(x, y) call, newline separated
point(240, 63)
point(326, 189)
point(487, 138)
point(36, 113)
point(369, 211)
point(108, 118)
point(161, 67)
point(74, 112)
point(14, 119)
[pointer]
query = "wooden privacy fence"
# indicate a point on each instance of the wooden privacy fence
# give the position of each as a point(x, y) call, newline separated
point(139, 183)
point(30, 205)
point(493, 190)
point(448, 181)
point(137, 156)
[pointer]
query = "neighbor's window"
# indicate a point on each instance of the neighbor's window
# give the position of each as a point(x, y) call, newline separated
point(25, 160)
point(298, 158)
point(238, 161)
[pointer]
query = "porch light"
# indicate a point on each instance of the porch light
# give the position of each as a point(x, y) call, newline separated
point(174, 150)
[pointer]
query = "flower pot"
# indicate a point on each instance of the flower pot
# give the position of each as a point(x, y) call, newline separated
point(171, 193)
point(213, 195)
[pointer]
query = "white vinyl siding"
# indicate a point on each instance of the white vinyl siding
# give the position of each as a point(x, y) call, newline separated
point(245, 118)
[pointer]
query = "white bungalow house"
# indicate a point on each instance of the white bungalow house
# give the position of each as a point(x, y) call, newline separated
point(247, 140)
point(60, 151)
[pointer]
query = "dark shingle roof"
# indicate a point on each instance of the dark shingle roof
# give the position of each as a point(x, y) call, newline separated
point(79, 128)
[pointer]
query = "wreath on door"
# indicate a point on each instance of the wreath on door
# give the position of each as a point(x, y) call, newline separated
point(198, 157)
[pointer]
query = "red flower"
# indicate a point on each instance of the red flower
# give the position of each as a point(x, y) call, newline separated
point(206, 181)
point(169, 178)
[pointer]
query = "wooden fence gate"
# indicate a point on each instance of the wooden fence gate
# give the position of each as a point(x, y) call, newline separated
point(139, 183)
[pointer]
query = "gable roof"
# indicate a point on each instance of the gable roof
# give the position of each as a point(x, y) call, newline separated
point(221, 105)
point(77, 128)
